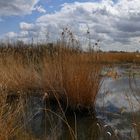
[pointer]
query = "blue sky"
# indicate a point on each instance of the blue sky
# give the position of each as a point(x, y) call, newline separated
point(115, 22)
point(11, 23)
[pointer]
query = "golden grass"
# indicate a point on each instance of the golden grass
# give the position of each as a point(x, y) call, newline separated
point(59, 69)
point(9, 118)
point(56, 69)
point(60, 72)
point(12, 119)
point(119, 57)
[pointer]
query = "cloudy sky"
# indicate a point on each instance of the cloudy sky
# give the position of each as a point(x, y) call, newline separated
point(116, 23)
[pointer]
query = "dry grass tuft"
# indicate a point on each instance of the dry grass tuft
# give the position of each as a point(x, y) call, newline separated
point(57, 69)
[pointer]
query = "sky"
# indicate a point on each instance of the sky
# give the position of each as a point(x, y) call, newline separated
point(116, 23)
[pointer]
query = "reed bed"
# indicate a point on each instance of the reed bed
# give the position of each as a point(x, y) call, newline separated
point(55, 70)
point(120, 57)
point(58, 70)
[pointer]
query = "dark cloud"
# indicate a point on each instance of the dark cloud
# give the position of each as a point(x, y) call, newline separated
point(128, 25)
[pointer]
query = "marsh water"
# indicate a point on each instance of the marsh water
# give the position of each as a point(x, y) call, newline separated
point(117, 114)
point(118, 103)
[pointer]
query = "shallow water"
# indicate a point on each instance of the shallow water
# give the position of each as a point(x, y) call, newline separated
point(118, 103)
point(52, 125)
point(117, 109)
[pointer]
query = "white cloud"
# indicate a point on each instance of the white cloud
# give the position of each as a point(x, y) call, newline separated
point(16, 7)
point(11, 35)
point(26, 26)
point(117, 94)
point(115, 24)
point(40, 9)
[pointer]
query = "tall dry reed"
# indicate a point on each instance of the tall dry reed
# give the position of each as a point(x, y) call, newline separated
point(57, 68)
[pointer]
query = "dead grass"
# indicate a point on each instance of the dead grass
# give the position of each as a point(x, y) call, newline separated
point(9, 118)
point(120, 57)
point(60, 69)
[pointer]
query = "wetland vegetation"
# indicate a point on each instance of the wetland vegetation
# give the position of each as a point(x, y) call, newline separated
point(49, 91)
